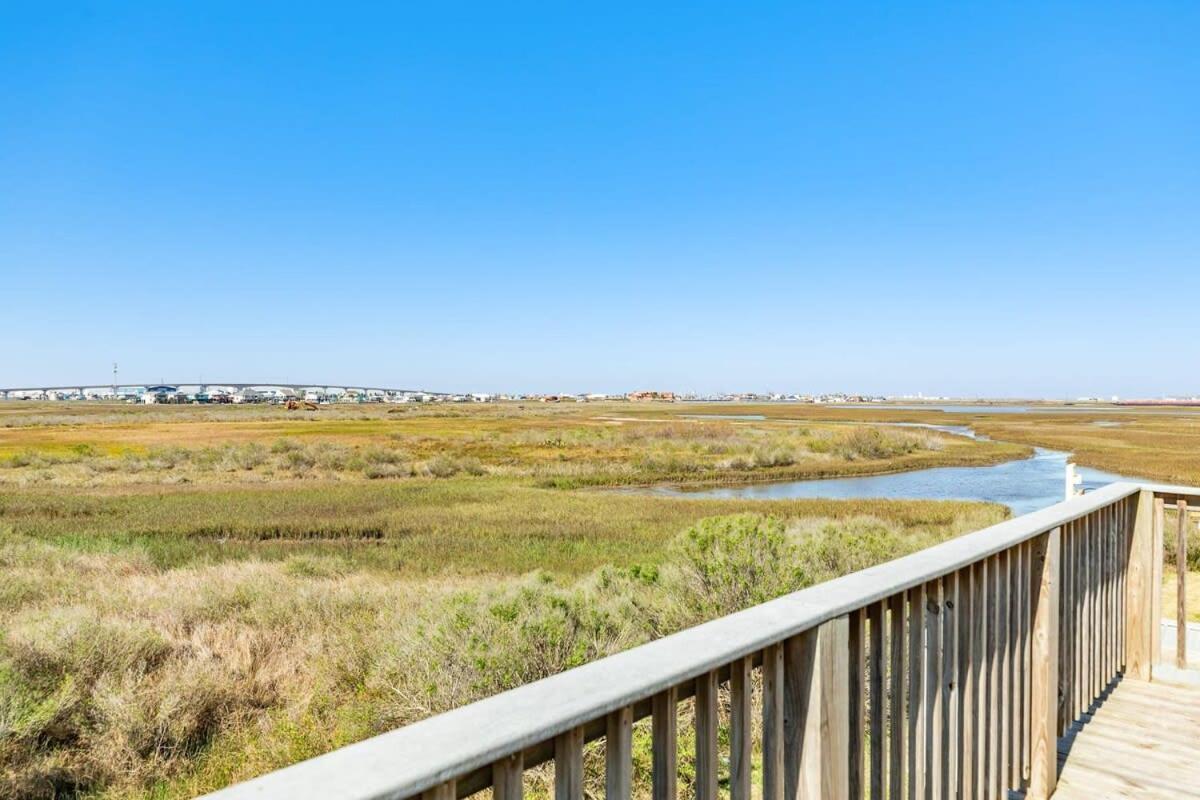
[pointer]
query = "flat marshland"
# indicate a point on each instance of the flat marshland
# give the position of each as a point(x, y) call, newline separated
point(195, 595)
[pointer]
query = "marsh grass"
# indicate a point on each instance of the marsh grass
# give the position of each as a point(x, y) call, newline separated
point(195, 596)
point(555, 447)
point(121, 677)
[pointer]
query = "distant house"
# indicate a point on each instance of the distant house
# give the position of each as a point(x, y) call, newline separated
point(161, 394)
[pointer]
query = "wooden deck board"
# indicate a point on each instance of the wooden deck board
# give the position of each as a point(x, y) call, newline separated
point(1143, 741)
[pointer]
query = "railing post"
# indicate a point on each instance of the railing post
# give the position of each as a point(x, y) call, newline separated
point(817, 712)
point(1181, 571)
point(1044, 579)
point(1140, 590)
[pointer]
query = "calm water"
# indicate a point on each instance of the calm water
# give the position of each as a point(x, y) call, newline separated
point(1023, 486)
point(952, 409)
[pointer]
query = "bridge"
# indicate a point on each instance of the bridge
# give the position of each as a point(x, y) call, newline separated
point(200, 385)
point(1023, 660)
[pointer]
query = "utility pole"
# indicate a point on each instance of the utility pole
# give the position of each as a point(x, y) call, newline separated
point(114, 386)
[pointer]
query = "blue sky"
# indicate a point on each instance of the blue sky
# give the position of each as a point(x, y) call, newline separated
point(974, 199)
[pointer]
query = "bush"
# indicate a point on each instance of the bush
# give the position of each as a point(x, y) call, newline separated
point(1170, 534)
point(828, 548)
point(774, 458)
point(300, 459)
point(441, 467)
point(382, 455)
point(377, 471)
point(248, 456)
point(733, 562)
point(472, 466)
point(872, 443)
point(479, 643)
point(283, 446)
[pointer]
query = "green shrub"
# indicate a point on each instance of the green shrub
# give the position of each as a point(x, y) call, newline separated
point(442, 467)
point(733, 562)
point(300, 459)
point(1170, 538)
point(472, 466)
point(248, 456)
point(377, 471)
point(382, 455)
point(282, 446)
point(872, 443)
point(774, 458)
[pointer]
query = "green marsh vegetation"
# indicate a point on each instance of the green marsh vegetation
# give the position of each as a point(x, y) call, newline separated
point(561, 447)
point(195, 596)
point(120, 676)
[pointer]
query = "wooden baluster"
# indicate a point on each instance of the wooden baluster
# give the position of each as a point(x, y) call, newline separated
point(897, 740)
point(968, 636)
point(934, 755)
point(1106, 598)
point(982, 659)
point(1026, 628)
point(443, 791)
point(508, 778)
point(664, 737)
point(795, 704)
point(1066, 631)
point(773, 739)
point(1014, 669)
point(1106, 571)
point(1119, 512)
point(1078, 532)
point(1089, 626)
point(568, 765)
point(951, 753)
point(1102, 611)
point(741, 739)
point(618, 755)
point(1044, 667)
point(1004, 659)
point(878, 707)
point(857, 633)
point(994, 672)
point(1101, 534)
point(1110, 570)
point(916, 693)
point(707, 756)
point(1122, 574)
point(1181, 568)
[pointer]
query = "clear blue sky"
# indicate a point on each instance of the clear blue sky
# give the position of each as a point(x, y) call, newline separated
point(965, 198)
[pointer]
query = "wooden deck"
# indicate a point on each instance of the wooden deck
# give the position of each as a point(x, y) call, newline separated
point(1141, 740)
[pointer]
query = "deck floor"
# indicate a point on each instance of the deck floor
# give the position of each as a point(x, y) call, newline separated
point(1142, 740)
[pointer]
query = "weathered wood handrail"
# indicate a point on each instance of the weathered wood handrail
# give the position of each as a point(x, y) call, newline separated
point(947, 673)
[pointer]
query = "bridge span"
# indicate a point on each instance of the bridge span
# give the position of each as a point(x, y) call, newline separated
point(201, 386)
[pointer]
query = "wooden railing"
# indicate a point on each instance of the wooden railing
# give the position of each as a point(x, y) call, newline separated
point(948, 673)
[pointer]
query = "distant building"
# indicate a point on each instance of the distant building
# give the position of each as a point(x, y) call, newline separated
point(161, 394)
point(647, 397)
point(249, 395)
